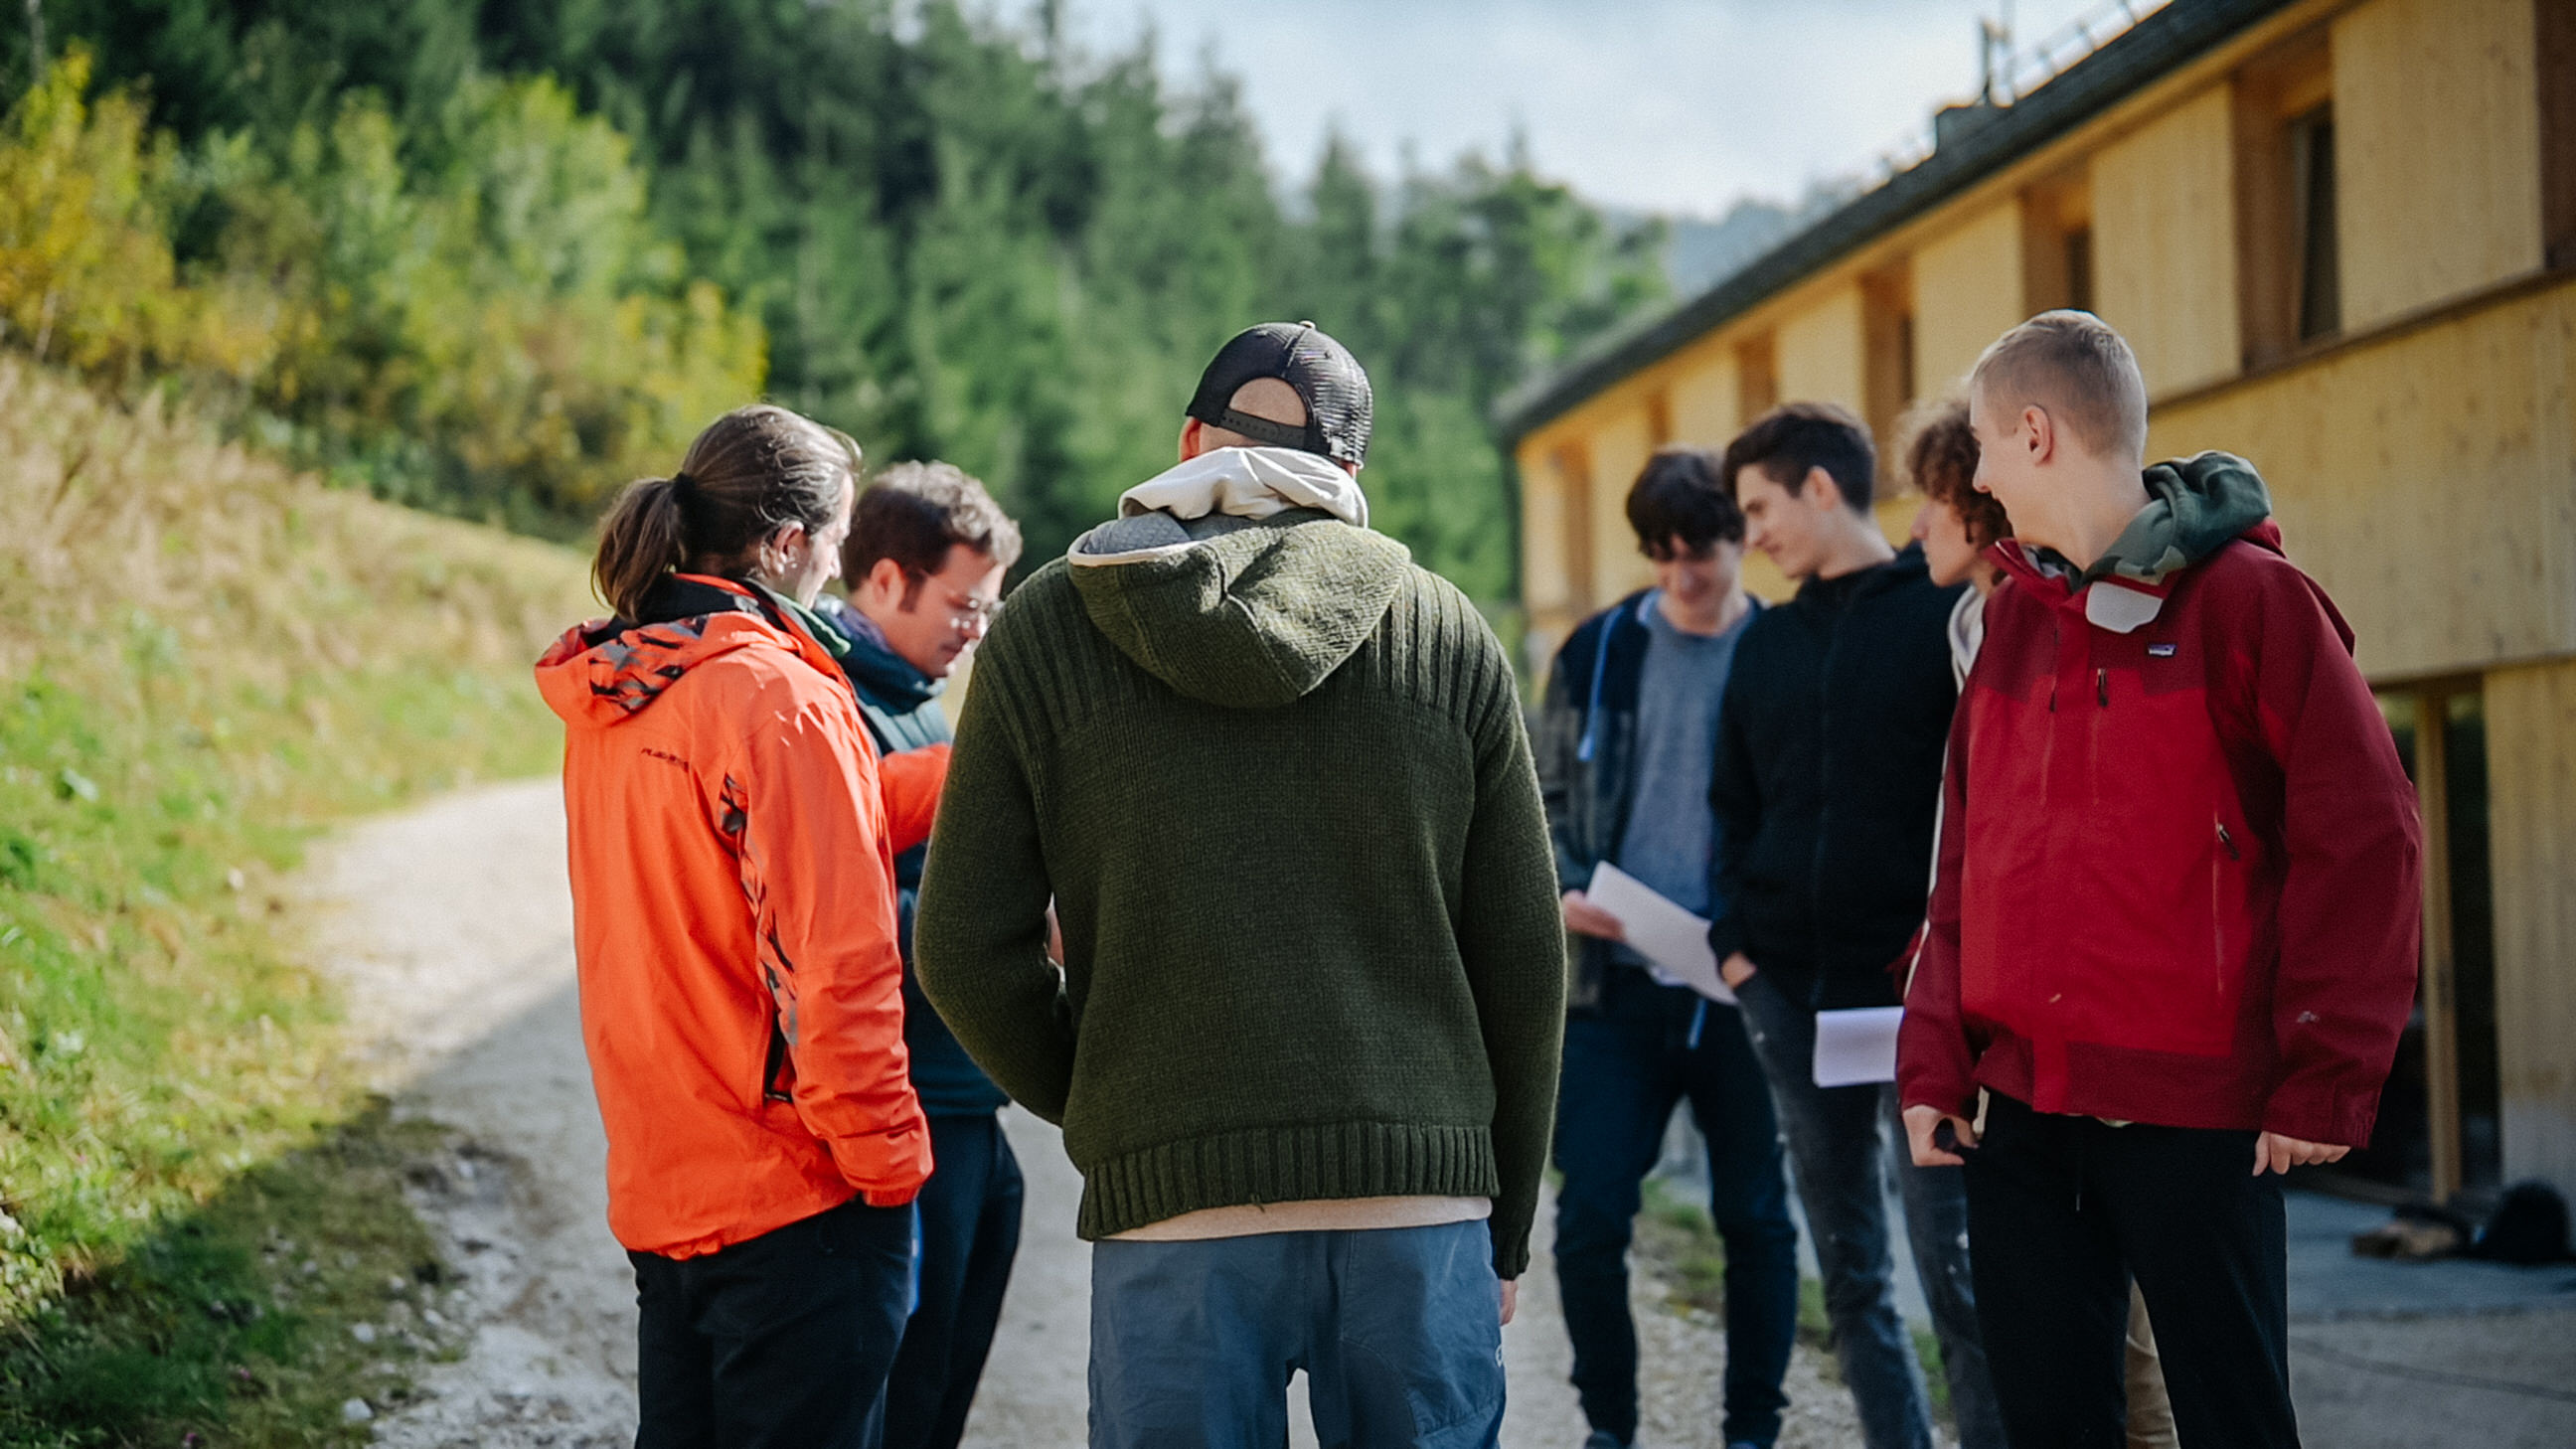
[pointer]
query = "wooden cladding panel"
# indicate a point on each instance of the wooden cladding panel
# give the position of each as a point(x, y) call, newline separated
point(1968, 290)
point(1706, 396)
point(1619, 451)
point(2438, 155)
point(2428, 482)
point(2531, 755)
point(2164, 242)
point(1821, 350)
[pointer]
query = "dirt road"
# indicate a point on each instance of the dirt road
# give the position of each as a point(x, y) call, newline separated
point(449, 930)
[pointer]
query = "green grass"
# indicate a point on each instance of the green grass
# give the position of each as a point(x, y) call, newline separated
point(1676, 1242)
point(251, 1320)
point(204, 660)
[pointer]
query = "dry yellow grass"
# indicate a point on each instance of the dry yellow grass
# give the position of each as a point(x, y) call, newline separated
point(203, 657)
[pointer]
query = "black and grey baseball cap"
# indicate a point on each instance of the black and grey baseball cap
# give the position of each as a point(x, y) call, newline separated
point(1326, 376)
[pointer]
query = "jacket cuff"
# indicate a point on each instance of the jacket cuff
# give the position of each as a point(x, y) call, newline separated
point(877, 1199)
point(1936, 1089)
point(2318, 1113)
point(1726, 937)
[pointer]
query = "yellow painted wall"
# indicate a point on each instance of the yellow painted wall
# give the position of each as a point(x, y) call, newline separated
point(1547, 583)
point(1704, 399)
point(1820, 348)
point(1619, 452)
point(2164, 243)
point(2437, 151)
point(2429, 482)
point(2531, 760)
point(1967, 292)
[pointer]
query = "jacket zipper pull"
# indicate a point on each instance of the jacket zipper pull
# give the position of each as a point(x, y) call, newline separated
point(2102, 686)
point(2229, 841)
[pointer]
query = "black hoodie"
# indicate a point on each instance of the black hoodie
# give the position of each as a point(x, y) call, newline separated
point(1828, 771)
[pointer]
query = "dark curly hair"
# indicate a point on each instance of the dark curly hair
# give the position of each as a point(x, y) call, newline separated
point(1941, 460)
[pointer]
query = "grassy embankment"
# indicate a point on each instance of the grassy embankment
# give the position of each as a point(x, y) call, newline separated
point(203, 660)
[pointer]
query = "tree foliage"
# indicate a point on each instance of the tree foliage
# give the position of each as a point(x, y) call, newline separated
point(516, 251)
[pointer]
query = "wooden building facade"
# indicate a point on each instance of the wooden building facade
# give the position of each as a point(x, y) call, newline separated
point(2341, 235)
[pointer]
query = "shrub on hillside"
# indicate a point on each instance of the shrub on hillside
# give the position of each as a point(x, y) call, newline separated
point(475, 315)
point(87, 279)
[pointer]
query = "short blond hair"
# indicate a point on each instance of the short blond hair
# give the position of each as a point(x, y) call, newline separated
point(2076, 368)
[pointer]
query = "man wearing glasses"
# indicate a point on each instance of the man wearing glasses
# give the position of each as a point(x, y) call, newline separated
point(925, 558)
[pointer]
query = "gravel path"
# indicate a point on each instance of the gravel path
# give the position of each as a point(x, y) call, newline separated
point(449, 930)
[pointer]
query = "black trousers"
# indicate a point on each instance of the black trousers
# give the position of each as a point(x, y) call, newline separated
point(2063, 1212)
point(970, 1232)
point(781, 1342)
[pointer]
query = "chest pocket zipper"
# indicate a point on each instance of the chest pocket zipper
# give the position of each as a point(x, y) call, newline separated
point(2102, 687)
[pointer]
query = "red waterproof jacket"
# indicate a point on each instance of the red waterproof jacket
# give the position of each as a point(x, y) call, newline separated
point(2179, 870)
point(732, 842)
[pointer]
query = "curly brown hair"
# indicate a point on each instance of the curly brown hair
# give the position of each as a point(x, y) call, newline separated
point(1941, 460)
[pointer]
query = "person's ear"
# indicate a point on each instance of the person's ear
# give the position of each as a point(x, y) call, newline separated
point(1348, 466)
point(2041, 430)
point(883, 586)
point(779, 552)
point(1820, 491)
point(1193, 438)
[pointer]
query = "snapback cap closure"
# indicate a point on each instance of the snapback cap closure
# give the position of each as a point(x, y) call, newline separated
point(1263, 430)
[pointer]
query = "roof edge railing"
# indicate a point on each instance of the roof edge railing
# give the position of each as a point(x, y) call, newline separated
point(2030, 76)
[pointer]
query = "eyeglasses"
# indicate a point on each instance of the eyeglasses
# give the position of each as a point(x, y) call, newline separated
point(966, 610)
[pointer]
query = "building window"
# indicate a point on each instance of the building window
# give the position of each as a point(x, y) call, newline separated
point(2318, 303)
point(2287, 274)
point(2555, 22)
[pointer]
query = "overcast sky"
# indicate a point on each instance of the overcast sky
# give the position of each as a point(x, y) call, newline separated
point(1677, 106)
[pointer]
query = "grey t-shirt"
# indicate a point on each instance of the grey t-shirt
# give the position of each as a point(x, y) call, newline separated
point(1671, 833)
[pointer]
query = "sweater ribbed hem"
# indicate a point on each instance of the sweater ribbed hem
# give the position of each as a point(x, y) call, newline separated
point(1285, 1164)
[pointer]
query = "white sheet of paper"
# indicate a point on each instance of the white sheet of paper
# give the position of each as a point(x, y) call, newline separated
point(1672, 938)
point(1856, 1046)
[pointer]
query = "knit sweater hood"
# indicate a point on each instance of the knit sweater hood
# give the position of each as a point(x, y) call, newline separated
point(1241, 578)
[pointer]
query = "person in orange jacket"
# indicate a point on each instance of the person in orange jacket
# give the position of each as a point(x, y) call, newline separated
point(733, 835)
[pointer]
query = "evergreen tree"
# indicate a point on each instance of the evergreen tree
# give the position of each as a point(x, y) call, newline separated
point(960, 237)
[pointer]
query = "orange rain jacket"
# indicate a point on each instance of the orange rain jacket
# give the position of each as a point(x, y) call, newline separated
point(733, 836)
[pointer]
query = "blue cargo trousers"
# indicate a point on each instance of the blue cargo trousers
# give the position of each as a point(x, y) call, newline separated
point(1399, 1331)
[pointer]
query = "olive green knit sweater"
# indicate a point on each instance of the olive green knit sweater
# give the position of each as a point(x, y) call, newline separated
point(1275, 779)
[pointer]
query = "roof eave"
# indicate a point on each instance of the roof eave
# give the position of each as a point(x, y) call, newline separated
point(2154, 47)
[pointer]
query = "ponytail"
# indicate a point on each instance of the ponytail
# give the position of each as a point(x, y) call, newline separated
point(643, 538)
point(751, 472)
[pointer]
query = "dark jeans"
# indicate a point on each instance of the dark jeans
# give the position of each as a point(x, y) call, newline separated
point(781, 1342)
point(970, 1231)
point(2063, 1211)
point(1842, 1143)
point(1628, 1062)
point(1399, 1331)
